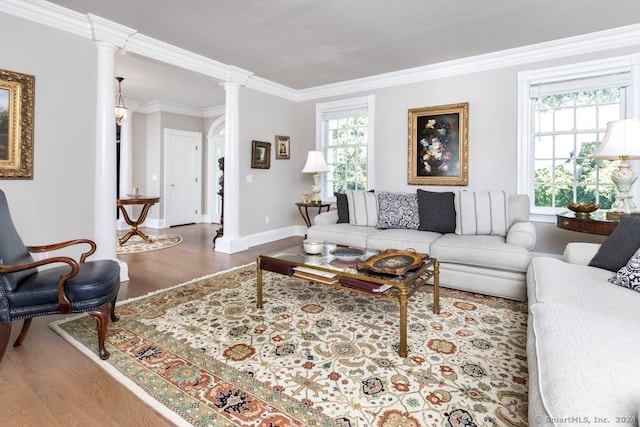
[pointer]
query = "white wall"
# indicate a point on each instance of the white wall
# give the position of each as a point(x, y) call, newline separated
point(492, 98)
point(273, 191)
point(58, 204)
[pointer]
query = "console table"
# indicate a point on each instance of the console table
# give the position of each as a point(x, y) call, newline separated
point(306, 206)
point(147, 202)
point(596, 223)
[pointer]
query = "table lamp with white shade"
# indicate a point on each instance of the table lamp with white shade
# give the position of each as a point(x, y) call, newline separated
point(621, 142)
point(315, 164)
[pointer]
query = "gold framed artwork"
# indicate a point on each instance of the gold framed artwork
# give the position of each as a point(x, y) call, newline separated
point(438, 145)
point(260, 155)
point(16, 125)
point(283, 147)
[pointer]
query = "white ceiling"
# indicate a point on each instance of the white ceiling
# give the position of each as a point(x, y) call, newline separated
point(309, 43)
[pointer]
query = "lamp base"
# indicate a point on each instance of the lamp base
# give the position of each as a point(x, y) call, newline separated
point(623, 178)
point(315, 190)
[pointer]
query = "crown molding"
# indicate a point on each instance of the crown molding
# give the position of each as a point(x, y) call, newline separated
point(46, 13)
point(571, 46)
point(110, 32)
point(90, 26)
point(167, 107)
point(216, 111)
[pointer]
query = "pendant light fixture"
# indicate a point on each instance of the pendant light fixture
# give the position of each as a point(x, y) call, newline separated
point(121, 109)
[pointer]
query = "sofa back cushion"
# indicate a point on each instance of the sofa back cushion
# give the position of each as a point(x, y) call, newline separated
point(437, 211)
point(398, 210)
point(363, 208)
point(482, 212)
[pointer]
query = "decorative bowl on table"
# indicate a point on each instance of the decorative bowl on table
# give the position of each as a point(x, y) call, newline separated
point(347, 254)
point(582, 210)
point(312, 246)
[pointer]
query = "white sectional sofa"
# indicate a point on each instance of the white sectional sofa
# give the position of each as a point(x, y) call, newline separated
point(584, 337)
point(487, 253)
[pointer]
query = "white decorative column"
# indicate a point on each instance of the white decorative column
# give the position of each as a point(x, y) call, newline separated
point(107, 36)
point(105, 162)
point(126, 164)
point(231, 241)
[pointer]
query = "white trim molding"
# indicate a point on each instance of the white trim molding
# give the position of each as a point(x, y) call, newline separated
point(86, 25)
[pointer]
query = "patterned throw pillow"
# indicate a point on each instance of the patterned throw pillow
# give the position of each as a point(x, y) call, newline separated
point(398, 210)
point(629, 275)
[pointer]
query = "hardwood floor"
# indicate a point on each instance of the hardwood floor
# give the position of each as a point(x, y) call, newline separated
point(47, 382)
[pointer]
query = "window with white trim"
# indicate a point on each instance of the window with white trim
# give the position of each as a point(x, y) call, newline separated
point(563, 115)
point(345, 136)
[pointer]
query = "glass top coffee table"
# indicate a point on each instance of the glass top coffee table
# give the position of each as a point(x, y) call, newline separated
point(340, 271)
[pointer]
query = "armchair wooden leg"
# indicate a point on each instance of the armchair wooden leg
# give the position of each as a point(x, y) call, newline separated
point(23, 332)
point(102, 322)
point(5, 333)
point(114, 317)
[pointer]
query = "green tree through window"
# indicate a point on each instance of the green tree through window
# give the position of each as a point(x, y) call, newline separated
point(568, 127)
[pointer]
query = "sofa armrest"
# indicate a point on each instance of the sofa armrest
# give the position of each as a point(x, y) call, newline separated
point(522, 234)
point(326, 218)
point(580, 252)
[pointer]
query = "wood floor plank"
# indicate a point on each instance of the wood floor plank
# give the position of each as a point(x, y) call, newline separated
point(48, 382)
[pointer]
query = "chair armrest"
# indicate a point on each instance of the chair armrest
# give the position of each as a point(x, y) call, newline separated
point(60, 245)
point(522, 234)
point(325, 218)
point(580, 252)
point(63, 301)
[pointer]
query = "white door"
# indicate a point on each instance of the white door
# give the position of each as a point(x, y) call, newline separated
point(183, 161)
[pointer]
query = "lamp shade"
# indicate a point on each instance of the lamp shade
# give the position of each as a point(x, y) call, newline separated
point(621, 139)
point(315, 163)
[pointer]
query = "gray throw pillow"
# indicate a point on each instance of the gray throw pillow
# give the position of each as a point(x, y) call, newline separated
point(437, 211)
point(619, 247)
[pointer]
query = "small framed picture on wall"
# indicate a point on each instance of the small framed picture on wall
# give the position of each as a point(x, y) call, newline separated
point(283, 147)
point(260, 155)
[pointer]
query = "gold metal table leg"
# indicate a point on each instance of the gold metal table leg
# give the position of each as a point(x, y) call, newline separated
point(436, 287)
point(259, 284)
point(402, 351)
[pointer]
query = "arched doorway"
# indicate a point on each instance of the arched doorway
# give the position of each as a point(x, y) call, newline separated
point(215, 150)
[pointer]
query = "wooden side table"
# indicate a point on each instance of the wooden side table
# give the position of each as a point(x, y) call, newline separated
point(596, 223)
point(141, 200)
point(306, 206)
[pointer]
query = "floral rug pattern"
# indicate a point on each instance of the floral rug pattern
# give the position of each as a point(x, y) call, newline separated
point(318, 356)
point(158, 241)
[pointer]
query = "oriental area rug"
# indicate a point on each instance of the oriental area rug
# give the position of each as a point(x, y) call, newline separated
point(158, 241)
point(202, 354)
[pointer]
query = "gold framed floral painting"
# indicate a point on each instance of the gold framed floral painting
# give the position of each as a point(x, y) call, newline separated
point(16, 125)
point(438, 145)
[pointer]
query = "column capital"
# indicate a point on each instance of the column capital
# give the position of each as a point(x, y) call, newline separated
point(103, 30)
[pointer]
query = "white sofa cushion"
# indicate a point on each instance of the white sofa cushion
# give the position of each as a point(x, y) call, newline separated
point(402, 239)
point(341, 234)
point(482, 212)
point(481, 251)
point(584, 369)
point(363, 208)
point(550, 280)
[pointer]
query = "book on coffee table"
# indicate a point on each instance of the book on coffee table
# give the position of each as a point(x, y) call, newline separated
point(315, 275)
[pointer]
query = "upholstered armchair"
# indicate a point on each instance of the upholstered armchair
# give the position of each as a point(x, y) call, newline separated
point(58, 284)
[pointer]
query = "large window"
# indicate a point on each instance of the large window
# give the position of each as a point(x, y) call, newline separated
point(564, 113)
point(345, 135)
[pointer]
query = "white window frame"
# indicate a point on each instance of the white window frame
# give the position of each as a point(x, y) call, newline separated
point(525, 144)
point(346, 106)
